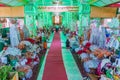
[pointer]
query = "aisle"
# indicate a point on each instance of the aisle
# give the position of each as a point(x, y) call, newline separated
point(59, 64)
point(40, 75)
point(54, 67)
point(71, 67)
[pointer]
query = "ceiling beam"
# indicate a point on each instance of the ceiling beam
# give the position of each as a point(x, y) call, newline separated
point(93, 1)
point(103, 2)
point(5, 3)
point(112, 2)
point(18, 1)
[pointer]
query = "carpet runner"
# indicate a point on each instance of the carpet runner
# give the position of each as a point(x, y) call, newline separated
point(54, 67)
point(71, 67)
point(41, 71)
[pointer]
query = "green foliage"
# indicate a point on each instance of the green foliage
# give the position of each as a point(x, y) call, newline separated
point(21, 74)
point(4, 72)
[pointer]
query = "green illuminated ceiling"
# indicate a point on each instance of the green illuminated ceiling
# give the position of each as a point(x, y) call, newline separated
point(14, 2)
point(64, 2)
point(99, 3)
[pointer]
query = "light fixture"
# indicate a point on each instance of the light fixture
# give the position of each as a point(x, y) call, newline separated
point(57, 2)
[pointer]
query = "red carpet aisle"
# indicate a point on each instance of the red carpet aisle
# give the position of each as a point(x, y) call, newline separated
point(54, 67)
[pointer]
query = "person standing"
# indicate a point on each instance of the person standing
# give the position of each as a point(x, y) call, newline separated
point(14, 38)
point(57, 28)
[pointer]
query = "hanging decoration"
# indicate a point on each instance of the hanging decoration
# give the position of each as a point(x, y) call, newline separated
point(84, 18)
point(114, 23)
point(30, 9)
point(84, 9)
point(30, 20)
point(58, 8)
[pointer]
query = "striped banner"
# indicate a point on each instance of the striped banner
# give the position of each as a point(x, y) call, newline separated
point(58, 8)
